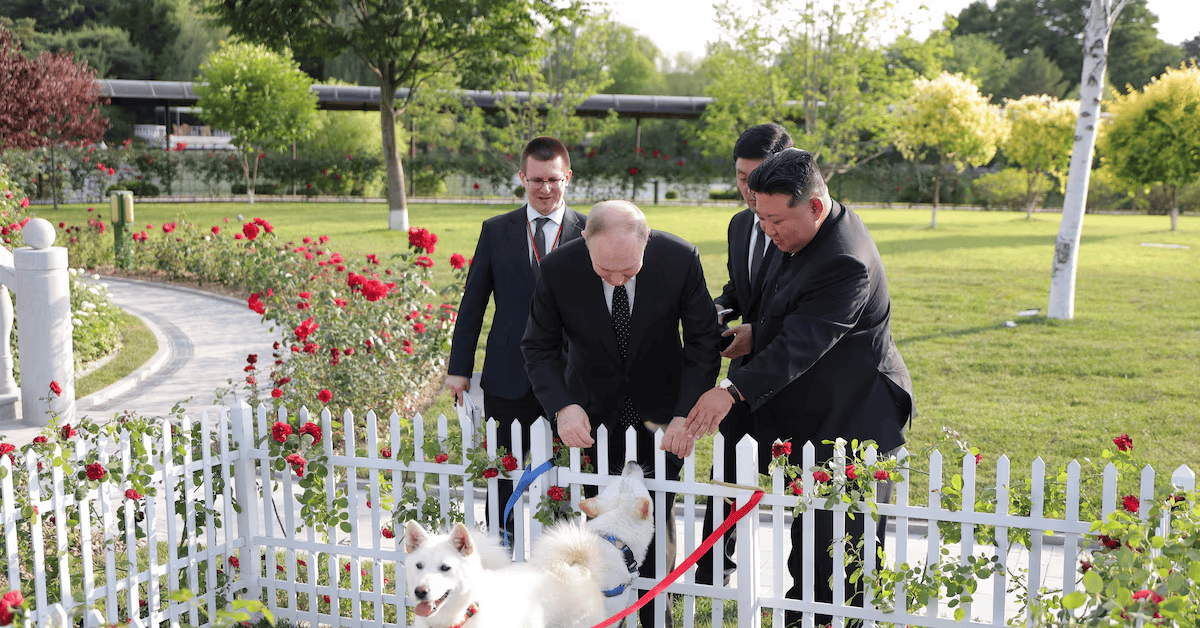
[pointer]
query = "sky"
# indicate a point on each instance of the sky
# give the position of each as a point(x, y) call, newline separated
point(687, 25)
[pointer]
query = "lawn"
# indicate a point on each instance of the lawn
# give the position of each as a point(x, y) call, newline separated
point(1127, 363)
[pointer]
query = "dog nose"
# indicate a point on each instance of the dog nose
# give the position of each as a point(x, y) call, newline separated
point(421, 592)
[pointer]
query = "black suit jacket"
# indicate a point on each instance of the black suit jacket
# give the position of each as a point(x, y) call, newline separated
point(826, 365)
point(739, 294)
point(664, 374)
point(501, 269)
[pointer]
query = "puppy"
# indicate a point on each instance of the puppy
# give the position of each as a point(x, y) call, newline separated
point(592, 565)
point(445, 575)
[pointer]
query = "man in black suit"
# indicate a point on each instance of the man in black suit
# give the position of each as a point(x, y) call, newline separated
point(750, 254)
point(510, 249)
point(825, 365)
point(618, 299)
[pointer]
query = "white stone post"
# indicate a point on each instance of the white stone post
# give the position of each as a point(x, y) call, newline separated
point(43, 290)
point(9, 395)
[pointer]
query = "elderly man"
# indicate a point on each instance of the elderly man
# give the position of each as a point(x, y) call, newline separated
point(618, 298)
point(825, 365)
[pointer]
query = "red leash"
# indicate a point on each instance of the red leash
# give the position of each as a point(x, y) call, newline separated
point(733, 518)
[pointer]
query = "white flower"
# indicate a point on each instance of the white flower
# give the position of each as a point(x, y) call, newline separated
point(76, 322)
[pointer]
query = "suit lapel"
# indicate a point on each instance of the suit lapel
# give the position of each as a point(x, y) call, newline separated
point(518, 231)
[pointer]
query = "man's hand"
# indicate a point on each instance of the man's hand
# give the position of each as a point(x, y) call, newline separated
point(742, 341)
point(707, 414)
point(458, 385)
point(676, 440)
point(574, 428)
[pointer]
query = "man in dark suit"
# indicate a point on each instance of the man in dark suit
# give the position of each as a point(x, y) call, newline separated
point(510, 249)
point(750, 254)
point(618, 298)
point(825, 364)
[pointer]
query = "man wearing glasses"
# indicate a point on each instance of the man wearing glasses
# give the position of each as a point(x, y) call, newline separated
point(507, 258)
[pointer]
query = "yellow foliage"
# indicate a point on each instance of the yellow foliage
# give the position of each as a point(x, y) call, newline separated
point(948, 116)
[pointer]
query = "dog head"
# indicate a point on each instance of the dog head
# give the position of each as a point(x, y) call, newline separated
point(440, 568)
point(623, 508)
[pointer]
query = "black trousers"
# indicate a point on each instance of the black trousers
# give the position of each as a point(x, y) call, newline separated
point(525, 411)
point(645, 457)
point(823, 562)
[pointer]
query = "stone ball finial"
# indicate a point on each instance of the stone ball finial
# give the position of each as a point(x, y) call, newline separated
point(39, 233)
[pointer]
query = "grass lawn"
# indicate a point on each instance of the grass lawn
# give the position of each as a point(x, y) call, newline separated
point(1128, 362)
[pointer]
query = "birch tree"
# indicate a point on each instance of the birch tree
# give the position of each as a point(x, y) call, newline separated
point(1101, 18)
point(947, 120)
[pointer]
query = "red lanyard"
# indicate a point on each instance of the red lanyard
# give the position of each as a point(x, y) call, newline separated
point(553, 243)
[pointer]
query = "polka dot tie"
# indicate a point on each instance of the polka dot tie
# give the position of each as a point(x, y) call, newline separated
point(620, 322)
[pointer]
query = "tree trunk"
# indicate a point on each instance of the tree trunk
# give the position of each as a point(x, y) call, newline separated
point(1066, 247)
point(397, 200)
point(937, 191)
point(1174, 190)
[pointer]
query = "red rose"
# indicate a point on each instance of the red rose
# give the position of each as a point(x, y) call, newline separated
point(262, 222)
point(509, 461)
point(419, 327)
point(250, 230)
point(297, 461)
point(276, 393)
point(457, 261)
point(797, 487)
point(1123, 442)
point(10, 602)
point(95, 471)
point(882, 475)
point(254, 303)
point(424, 261)
point(978, 458)
point(325, 396)
point(67, 431)
point(556, 493)
point(780, 448)
point(820, 476)
point(1131, 503)
point(1109, 542)
point(385, 452)
point(422, 239)
point(280, 431)
point(633, 171)
point(7, 449)
point(312, 430)
point(55, 388)
point(490, 472)
point(374, 290)
point(233, 560)
point(1084, 566)
point(851, 473)
point(132, 494)
point(440, 458)
point(387, 533)
point(39, 439)
point(216, 230)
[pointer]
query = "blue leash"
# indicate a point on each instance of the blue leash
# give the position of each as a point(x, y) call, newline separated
point(520, 489)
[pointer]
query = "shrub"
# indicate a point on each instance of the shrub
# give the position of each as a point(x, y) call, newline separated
point(1009, 189)
point(519, 191)
point(731, 194)
point(671, 195)
point(138, 187)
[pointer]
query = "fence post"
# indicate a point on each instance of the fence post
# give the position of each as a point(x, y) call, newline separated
point(749, 607)
point(9, 393)
point(43, 291)
point(242, 422)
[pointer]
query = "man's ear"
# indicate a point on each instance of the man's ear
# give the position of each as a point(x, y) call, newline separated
point(816, 206)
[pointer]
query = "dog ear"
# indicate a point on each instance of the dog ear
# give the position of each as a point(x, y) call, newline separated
point(460, 536)
point(590, 507)
point(642, 508)
point(414, 536)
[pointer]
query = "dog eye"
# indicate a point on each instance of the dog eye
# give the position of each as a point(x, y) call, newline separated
point(420, 565)
point(445, 567)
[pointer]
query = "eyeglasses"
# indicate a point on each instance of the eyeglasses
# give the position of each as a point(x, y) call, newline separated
point(537, 183)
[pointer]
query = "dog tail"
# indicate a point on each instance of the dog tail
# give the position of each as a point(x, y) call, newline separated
point(573, 559)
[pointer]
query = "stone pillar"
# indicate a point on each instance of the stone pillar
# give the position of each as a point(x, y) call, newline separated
point(43, 290)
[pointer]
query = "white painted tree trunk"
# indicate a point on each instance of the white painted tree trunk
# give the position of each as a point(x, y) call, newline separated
point(1091, 88)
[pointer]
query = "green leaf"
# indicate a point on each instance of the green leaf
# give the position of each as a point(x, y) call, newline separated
point(1092, 582)
point(1074, 600)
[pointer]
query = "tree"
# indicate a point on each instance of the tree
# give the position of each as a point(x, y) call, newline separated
point(48, 99)
point(949, 120)
point(1032, 75)
point(632, 62)
point(1043, 129)
point(404, 43)
point(259, 96)
point(804, 64)
point(1154, 134)
point(981, 60)
point(1101, 18)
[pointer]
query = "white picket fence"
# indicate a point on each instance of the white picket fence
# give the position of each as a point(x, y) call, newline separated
point(118, 558)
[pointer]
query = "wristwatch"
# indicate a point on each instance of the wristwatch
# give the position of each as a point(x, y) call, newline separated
point(728, 386)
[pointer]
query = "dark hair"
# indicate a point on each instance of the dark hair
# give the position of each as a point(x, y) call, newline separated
point(545, 148)
point(791, 171)
point(761, 141)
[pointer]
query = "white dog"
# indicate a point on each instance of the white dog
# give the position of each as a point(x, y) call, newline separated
point(447, 577)
point(595, 562)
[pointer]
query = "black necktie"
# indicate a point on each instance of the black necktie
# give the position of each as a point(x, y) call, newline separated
point(539, 239)
point(760, 250)
point(620, 323)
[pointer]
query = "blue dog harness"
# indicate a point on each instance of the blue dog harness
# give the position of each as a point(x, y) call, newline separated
point(631, 563)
